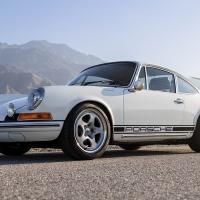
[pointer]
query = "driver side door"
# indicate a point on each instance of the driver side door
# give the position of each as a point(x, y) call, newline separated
point(158, 104)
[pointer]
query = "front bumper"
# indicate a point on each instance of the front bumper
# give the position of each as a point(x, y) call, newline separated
point(34, 131)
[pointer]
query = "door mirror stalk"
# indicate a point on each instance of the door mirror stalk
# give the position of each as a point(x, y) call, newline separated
point(137, 86)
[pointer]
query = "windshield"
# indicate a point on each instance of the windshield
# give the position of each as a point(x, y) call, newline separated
point(110, 74)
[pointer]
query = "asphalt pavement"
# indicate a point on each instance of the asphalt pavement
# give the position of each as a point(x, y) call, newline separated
point(154, 172)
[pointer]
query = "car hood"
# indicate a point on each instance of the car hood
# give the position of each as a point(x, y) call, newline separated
point(52, 92)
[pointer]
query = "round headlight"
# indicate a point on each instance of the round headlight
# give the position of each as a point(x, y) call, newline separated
point(35, 98)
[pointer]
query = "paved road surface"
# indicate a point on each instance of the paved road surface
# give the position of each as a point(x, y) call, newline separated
point(151, 173)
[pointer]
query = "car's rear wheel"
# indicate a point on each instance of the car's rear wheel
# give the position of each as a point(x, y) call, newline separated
point(131, 147)
point(194, 142)
point(86, 132)
point(14, 149)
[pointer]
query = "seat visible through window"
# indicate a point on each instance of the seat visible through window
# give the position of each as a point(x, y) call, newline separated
point(160, 80)
point(160, 84)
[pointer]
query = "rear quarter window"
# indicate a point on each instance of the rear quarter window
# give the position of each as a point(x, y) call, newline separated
point(185, 87)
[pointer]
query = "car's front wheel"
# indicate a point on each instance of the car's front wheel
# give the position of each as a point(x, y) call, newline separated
point(86, 132)
point(14, 149)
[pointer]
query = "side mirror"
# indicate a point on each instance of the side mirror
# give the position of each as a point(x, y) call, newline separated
point(137, 86)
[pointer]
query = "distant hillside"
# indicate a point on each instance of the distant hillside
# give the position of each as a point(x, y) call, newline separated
point(39, 62)
point(13, 80)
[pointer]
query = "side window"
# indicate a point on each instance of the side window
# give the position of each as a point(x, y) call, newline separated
point(142, 77)
point(160, 80)
point(185, 87)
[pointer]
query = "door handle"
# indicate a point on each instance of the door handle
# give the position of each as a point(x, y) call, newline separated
point(179, 101)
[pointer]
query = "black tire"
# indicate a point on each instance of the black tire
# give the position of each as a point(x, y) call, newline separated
point(194, 142)
point(14, 149)
point(130, 147)
point(68, 138)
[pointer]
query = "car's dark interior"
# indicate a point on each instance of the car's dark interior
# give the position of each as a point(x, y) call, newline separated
point(162, 84)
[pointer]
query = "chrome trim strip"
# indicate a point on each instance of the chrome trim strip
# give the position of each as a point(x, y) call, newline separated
point(147, 85)
point(145, 137)
point(29, 124)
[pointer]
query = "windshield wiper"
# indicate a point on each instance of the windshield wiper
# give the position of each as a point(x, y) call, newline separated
point(111, 82)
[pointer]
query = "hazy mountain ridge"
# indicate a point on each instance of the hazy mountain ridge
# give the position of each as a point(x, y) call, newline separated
point(13, 80)
point(42, 62)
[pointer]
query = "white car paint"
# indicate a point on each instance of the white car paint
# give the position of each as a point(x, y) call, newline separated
point(152, 108)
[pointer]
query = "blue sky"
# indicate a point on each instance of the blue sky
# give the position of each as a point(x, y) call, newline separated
point(164, 32)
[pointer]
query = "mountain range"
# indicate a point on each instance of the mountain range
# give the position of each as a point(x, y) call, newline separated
point(39, 63)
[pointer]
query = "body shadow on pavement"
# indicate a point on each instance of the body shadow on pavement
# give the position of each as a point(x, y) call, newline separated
point(51, 157)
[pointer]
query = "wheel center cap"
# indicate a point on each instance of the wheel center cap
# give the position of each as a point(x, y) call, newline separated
point(87, 131)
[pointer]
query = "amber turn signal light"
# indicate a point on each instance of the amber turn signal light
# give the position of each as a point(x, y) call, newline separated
point(34, 116)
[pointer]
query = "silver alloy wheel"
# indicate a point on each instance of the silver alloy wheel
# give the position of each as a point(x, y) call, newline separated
point(90, 130)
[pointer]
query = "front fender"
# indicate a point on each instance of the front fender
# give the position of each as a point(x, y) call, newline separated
point(93, 99)
point(60, 100)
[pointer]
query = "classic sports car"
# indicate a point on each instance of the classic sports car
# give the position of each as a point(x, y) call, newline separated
point(123, 103)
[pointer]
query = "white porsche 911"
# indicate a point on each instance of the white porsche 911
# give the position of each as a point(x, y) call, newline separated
point(123, 103)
